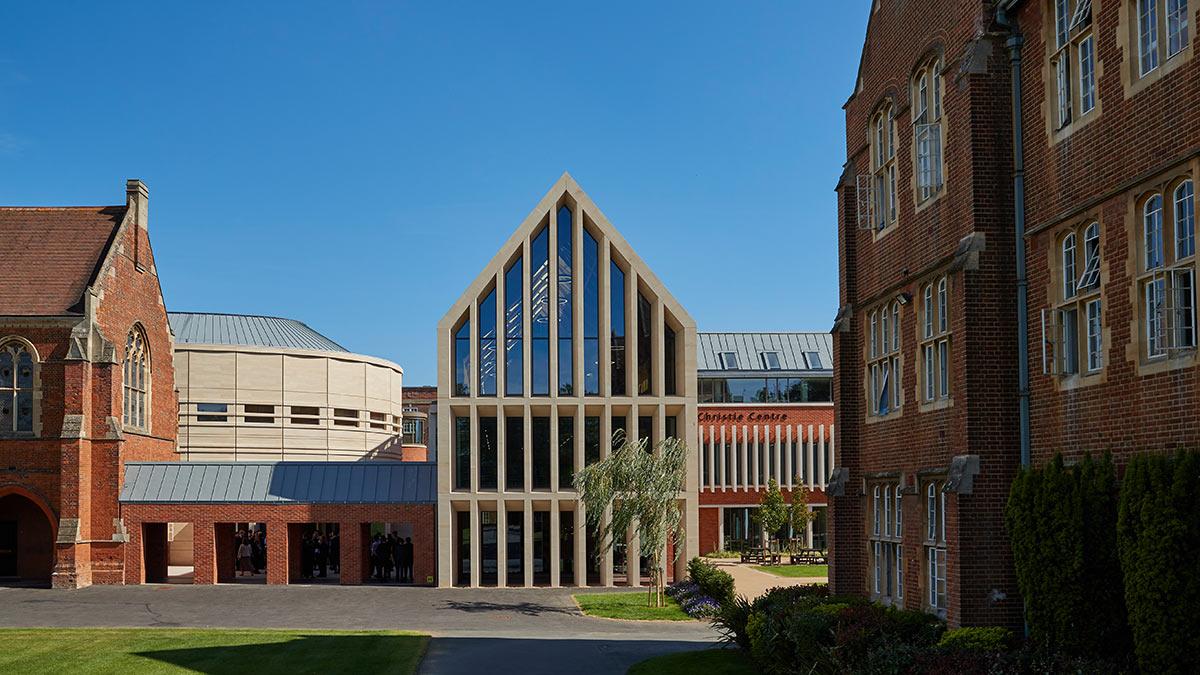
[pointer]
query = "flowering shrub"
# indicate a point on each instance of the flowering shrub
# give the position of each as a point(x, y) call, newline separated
point(682, 589)
point(699, 606)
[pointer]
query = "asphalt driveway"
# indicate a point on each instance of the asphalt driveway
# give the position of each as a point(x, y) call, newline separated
point(527, 631)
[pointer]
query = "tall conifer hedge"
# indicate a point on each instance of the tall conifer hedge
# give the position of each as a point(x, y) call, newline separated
point(1158, 532)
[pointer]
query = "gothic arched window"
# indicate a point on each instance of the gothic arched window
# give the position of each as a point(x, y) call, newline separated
point(136, 387)
point(16, 387)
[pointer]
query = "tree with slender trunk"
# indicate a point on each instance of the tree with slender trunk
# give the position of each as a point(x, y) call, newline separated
point(639, 487)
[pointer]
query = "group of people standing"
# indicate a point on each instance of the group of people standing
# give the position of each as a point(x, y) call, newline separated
point(319, 554)
point(250, 551)
point(392, 554)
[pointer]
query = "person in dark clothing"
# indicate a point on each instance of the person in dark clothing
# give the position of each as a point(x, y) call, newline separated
point(321, 553)
point(335, 553)
point(306, 560)
point(406, 557)
point(376, 557)
point(389, 552)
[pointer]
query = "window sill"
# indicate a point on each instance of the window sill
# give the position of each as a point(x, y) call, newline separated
point(1062, 133)
point(1184, 358)
point(919, 205)
point(17, 436)
point(937, 404)
point(895, 414)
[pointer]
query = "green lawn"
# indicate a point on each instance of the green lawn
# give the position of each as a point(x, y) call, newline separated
point(629, 606)
point(236, 652)
point(707, 661)
point(795, 570)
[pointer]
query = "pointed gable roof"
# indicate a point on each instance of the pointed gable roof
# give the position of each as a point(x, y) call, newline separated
point(565, 185)
point(50, 255)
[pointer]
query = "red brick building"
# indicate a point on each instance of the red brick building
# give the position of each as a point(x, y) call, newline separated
point(86, 384)
point(967, 267)
point(765, 411)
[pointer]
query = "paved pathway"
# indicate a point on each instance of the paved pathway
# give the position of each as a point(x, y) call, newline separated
point(752, 583)
point(527, 631)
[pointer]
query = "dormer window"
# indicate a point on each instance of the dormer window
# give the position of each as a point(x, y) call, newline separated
point(729, 361)
point(814, 360)
point(770, 360)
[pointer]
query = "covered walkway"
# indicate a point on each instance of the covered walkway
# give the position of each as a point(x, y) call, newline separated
point(318, 517)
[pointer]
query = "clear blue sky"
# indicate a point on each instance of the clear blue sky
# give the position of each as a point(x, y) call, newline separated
point(354, 167)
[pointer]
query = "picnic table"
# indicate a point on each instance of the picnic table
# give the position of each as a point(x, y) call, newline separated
point(809, 556)
point(762, 556)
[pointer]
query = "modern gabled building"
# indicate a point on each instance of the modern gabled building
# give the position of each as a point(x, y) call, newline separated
point(565, 338)
point(765, 412)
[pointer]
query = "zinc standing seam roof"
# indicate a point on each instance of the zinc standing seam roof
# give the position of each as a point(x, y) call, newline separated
point(280, 483)
point(791, 348)
point(246, 330)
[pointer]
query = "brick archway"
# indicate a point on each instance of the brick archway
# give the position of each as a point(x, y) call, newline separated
point(28, 529)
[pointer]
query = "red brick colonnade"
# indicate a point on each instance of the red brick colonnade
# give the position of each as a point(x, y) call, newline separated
point(145, 554)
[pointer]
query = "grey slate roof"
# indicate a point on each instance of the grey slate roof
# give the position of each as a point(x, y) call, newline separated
point(368, 482)
point(246, 330)
point(749, 346)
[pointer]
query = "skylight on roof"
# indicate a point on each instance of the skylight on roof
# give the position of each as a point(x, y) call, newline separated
point(729, 361)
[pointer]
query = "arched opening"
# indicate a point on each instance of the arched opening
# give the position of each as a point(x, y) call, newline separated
point(26, 538)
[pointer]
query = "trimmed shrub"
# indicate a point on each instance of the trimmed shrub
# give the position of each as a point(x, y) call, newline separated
point(1061, 528)
point(715, 583)
point(976, 639)
point(1158, 530)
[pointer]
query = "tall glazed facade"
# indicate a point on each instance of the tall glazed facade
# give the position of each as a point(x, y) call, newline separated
point(565, 339)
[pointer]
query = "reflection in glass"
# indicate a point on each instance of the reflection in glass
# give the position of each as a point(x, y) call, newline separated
point(566, 368)
point(462, 453)
point(644, 319)
point(646, 432)
point(487, 345)
point(671, 428)
point(591, 440)
point(541, 453)
point(591, 316)
point(487, 453)
point(566, 452)
point(514, 369)
point(516, 548)
point(539, 312)
point(514, 453)
point(616, 297)
point(462, 360)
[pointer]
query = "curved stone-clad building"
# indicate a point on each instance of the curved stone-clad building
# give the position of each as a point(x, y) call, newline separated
point(256, 388)
point(563, 339)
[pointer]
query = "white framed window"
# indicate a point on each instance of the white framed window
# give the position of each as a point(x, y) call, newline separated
point(935, 547)
point(936, 341)
point(1167, 279)
point(885, 543)
point(884, 365)
point(729, 361)
point(135, 386)
point(899, 520)
point(1073, 326)
point(1147, 13)
point(17, 382)
point(1073, 61)
point(883, 167)
point(1177, 26)
point(928, 130)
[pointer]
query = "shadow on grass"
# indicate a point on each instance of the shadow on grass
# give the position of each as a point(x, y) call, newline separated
point(524, 608)
point(297, 653)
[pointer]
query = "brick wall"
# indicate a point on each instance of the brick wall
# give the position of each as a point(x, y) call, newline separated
point(979, 418)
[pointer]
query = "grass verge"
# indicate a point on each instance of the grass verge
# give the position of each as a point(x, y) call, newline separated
point(707, 661)
point(177, 650)
point(795, 570)
point(629, 606)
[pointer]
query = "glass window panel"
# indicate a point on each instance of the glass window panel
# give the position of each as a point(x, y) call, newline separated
point(487, 453)
point(566, 320)
point(514, 320)
point(487, 345)
point(462, 453)
point(539, 312)
point(619, 428)
point(462, 360)
point(669, 373)
point(645, 350)
point(591, 316)
point(1185, 220)
point(591, 440)
point(566, 452)
point(745, 390)
point(514, 453)
point(617, 326)
point(541, 453)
